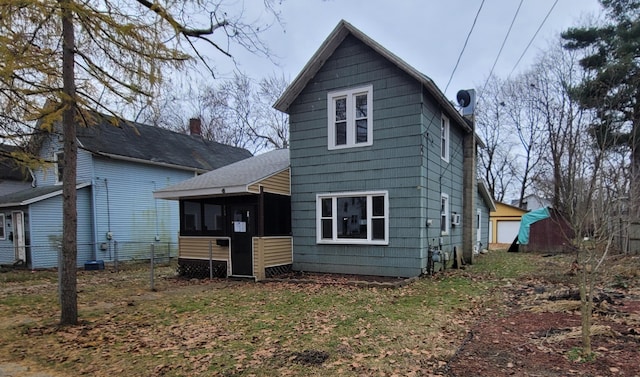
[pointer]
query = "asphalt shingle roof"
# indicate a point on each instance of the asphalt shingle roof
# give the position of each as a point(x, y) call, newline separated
point(33, 194)
point(234, 178)
point(159, 145)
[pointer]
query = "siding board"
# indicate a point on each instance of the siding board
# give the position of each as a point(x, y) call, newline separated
point(198, 248)
point(404, 160)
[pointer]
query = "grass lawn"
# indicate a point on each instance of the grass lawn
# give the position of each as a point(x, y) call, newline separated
point(239, 328)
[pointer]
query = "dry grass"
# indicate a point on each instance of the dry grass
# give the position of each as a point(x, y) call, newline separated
point(233, 328)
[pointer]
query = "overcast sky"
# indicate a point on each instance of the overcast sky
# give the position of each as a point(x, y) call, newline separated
point(427, 34)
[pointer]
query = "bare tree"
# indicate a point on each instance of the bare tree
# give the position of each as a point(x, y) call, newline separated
point(270, 126)
point(496, 160)
point(579, 171)
point(525, 121)
point(69, 53)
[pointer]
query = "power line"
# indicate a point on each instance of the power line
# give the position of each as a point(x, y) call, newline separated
point(504, 41)
point(465, 46)
point(534, 37)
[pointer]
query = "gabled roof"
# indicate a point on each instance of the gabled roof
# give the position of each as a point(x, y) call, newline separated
point(486, 195)
point(122, 139)
point(128, 140)
point(9, 169)
point(327, 49)
point(509, 206)
point(231, 179)
point(33, 195)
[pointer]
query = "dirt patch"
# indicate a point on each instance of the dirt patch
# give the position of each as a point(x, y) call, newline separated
point(23, 370)
point(310, 357)
point(340, 279)
point(544, 339)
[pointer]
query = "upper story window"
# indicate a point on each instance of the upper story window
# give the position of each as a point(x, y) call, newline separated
point(59, 157)
point(444, 138)
point(353, 218)
point(350, 118)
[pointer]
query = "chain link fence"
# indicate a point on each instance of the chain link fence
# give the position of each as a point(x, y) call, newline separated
point(112, 252)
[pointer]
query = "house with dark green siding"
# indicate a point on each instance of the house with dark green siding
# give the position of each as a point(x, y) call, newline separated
point(382, 165)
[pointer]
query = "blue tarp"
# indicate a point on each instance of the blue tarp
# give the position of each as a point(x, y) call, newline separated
point(528, 219)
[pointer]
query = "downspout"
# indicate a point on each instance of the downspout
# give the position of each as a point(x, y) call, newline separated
point(94, 209)
point(109, 235)
point(261, 213)
point(155, 203)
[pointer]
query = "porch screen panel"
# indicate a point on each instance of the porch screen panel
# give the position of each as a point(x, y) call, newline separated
point(213, 221)
point(192, 217)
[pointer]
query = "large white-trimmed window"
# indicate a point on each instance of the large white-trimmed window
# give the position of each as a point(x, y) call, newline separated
point(444, 138)
point(353, 218)
point(350, 118)
point(445, 214)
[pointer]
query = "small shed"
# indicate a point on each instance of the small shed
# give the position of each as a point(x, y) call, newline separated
point(236, 220)
point(550, 235)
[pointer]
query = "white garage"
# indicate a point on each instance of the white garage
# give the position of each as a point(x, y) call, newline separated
point(507, 230)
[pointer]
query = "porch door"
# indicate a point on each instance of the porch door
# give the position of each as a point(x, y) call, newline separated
point(18, 236)
point(243, 228)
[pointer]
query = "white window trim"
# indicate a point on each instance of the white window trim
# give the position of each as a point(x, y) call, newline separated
point(350, 95)
point(58, 181)
point(334, 231)
point(3, 226)
point(447, 209)
point(446, 138)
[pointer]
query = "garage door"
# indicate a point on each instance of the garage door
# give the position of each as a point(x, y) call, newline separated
point(508, 231)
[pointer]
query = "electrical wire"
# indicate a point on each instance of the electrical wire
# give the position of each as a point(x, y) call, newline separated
point(464, 46)
point(533, 37)
point(504, 41)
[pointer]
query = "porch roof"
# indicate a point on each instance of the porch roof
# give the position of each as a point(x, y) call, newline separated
point(231, 179)
point(33, 195)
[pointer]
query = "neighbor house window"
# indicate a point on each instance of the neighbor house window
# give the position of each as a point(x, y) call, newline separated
point(353, 218)
point(2, 225)
point(59, 157)
point(350, 118)
point(444, 214)
point(444, 138)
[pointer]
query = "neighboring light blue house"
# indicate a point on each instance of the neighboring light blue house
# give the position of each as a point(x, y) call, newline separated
point(382, 165)
point(120, 164)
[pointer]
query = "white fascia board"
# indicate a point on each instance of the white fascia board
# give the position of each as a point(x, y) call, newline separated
point(202, 192)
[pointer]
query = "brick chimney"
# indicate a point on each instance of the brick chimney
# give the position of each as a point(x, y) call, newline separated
point(195, 127)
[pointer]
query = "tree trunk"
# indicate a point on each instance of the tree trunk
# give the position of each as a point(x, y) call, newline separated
point(586, 302)
point(68, 266)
